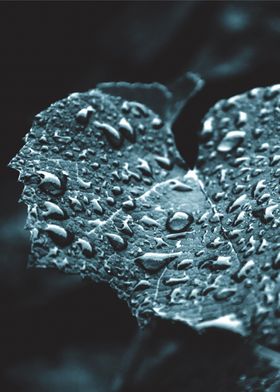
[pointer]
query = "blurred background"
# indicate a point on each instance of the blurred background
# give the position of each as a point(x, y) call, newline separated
point(57, 332)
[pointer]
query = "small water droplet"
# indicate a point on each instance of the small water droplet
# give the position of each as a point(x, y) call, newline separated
point(207, 130)
point(97, 208)
point(86, 247)
point(51, 183)
point(185, 264)
point(127, 130)
point(153, 262)
point(113, 136)
point(237, 203)
point(144, 167)
point(129, 205)
point(230, 141)
point(179, 186)
point(157, 123)
point(59, 235)
point(84, 114)
point(164, 162)
point(241, 119)
point(224, 293)
point(53, 211)
point(276, 261)
point(148, 221)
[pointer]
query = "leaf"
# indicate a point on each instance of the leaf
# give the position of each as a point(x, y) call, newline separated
point(109, 197)
point(239, 166)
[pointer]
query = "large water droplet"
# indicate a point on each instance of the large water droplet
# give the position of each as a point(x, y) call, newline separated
point(179, 221)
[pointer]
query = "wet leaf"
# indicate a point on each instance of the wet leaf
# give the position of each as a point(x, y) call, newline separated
point(239, 166)
point(110, 198)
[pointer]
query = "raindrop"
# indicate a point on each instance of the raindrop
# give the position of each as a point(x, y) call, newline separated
point(51, 184)
point(127, 130)
point(231, 140)
point(153, 262)
point(179, 221)
point(84, 114)
point(59, 235)
point(116, 241)
point(112, 135)
point(53, 211)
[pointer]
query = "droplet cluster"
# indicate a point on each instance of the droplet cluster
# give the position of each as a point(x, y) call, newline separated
point(239, 164)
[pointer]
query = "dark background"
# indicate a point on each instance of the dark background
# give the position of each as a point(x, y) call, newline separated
point(58, 333)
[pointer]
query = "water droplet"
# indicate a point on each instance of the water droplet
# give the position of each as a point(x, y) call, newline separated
point(224, 293)
point(53, 211)
point(146, 220)
point(265, 214)
point(207, 130)
point(271, 92)
point(153, 262)
point(84, 184)
point(117, 190)
point(97, 207)
point(112, 135)
point(241, 119)
point(125, 107)
point(59, 235)
point(127, 130)
point(51, 184)
point(84, 114)
point(230, 141)
point(116, 241)
point(185, 264)
point(276, 261)
point(239, 218)
point(157, 123)
point(179, 186)
point(237, 203)
point(142, 285)
point(244, 271)
point(218, 263)
point(173, 281)
point(125, 228)
point(258, 188)
point(86, 247)
point(179, 221)
point(164, 162)
point(257, 132)
point(144, 167)
point(129, 205)
point(275, 160)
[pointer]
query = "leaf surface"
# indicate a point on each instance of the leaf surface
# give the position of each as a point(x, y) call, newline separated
point(109, 197)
